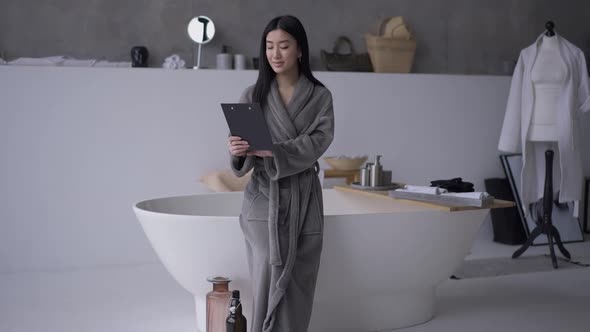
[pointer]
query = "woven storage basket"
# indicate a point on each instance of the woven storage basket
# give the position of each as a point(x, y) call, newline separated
point(345, 164)
point(391, 55)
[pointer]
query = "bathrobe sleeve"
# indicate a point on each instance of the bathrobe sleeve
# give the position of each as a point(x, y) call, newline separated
point(583, 89)
point(510, 137)
point(296, 155)
point(242, 165)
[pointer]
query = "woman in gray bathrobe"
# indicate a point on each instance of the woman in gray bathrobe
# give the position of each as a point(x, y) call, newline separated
point(282, 212)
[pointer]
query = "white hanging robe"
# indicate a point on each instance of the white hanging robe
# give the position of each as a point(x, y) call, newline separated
point(574, 100)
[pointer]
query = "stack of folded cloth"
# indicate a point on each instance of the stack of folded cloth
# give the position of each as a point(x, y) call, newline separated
point(442, 195)
point(46, 61)
point(64, 61)
point(456, 185)
point(482, 195)
point(423, 189)
point(173, 62)
point(104, 63)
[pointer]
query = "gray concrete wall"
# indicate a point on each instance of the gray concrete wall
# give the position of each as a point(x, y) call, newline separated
point(453, 36)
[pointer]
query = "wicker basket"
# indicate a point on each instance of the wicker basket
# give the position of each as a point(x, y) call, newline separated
point(391, 55)
point(345, 164)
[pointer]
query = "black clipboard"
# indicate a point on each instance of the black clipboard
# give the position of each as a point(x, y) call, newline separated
point(247, 121)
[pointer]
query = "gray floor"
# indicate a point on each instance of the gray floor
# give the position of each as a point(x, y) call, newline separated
point(543, 301)
point(145, 298)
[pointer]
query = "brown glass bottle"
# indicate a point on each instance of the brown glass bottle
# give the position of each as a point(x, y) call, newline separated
point(235, 322)
point(217, 302)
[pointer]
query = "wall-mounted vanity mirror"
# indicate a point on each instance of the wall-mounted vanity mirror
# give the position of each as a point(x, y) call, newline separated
point(201, 30)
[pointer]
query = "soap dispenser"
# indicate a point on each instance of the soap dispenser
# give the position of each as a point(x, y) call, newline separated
point(376, 170)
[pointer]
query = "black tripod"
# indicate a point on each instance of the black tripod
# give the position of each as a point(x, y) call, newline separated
point(545, 226)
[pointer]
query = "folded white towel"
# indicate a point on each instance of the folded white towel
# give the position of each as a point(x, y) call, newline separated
point(173, 65)
point(475, 195)
point(169, 65)
point(425, 189)
point(47, 61)
point(78, 63)
point(103, 63)
point(61, 60)
point(173, 62)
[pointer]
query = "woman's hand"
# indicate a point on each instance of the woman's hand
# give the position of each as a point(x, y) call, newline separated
point(237, 146)
point(260, 153)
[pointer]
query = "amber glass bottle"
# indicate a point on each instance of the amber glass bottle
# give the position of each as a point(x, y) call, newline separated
point(217, 303)
point(235, 322)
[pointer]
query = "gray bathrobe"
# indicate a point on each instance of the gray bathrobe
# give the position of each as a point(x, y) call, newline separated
point(282, 212)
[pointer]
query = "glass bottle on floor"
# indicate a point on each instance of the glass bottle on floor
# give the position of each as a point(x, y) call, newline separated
point(235, 322)
point(217, 301)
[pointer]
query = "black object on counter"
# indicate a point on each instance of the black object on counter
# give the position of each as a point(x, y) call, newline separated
point(455, 185)
point(255, 62)
point(139, 56)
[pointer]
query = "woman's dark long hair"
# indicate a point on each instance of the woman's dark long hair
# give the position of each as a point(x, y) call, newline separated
point(266, 74)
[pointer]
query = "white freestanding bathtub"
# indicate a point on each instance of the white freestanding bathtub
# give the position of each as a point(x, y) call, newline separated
point(381, 261)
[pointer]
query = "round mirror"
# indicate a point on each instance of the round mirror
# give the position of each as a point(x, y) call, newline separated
point(201, 29)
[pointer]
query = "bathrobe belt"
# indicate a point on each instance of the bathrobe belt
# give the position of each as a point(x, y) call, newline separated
point(300, 183)
point(304, 181)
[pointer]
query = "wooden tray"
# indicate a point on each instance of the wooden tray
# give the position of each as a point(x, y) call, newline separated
point(384, 194)
point(392, 186)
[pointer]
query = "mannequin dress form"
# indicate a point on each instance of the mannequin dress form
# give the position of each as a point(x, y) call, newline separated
point(548, 75)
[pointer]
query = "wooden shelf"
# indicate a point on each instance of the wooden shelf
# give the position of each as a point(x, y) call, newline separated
point(497, 204)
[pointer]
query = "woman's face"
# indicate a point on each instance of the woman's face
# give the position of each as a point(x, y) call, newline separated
point(282, 51)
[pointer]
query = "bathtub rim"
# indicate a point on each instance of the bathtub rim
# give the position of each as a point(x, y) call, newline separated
point(419, 208)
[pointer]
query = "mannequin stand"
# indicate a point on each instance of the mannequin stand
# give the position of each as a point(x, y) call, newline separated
point(545, 226)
